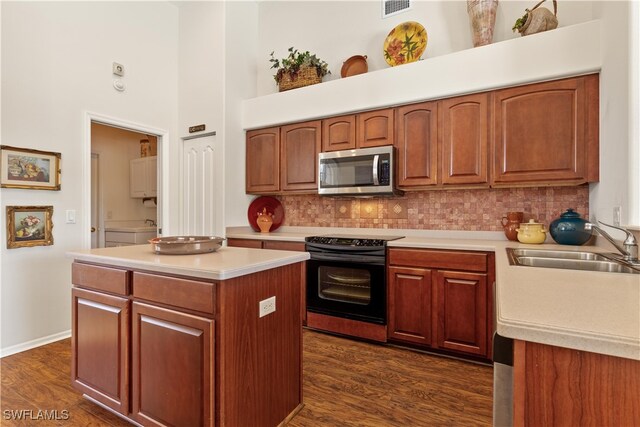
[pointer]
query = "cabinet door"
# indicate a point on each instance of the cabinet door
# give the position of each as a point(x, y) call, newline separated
point(339, 133)
point(375, 128)
point(409, 305)
point(300, 146)
point(417, 140)
point(172, 367)
point(543, 131)
point(138, 177)
point(465, 135)
point(152, 176)
point(100, 347)
point(462, 311)
point(263, 161)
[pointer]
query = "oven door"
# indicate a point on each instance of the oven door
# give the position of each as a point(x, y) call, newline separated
point(347, 288)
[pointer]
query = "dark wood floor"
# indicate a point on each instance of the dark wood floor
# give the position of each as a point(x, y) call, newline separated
point(346, 383)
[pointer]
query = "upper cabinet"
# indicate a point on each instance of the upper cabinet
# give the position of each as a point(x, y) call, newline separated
point(299, 148)
point(364, 130)
point(536, 134)
point(143, 177)
point(263, 161)
point(417, 144)
point(547, 132)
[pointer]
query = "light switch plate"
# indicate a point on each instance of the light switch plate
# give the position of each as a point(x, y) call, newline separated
point(70, 216)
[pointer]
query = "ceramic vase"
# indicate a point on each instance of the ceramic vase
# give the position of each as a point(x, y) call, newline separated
point(264, 221)
point(482, 16)
point(510, 223)
point(569, 229)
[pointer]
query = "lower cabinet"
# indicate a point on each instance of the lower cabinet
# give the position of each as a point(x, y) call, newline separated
point(100, 347)
point(441, 300)
point(172, 360)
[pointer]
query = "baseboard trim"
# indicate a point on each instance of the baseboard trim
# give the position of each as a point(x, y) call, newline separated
point(19, 348)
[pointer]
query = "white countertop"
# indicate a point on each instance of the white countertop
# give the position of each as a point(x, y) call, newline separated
point(133, 229)
point(225, 263)
point(590, 311)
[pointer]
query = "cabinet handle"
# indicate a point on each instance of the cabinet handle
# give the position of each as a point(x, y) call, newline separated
point(93, 229)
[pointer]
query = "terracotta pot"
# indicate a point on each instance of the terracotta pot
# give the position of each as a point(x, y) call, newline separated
point(482, 16)
point(265, 220)
point(510, 223)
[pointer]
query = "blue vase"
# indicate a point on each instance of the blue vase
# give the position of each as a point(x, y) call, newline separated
point(569, 229)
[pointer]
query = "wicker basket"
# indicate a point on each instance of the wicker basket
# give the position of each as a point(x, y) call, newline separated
point(306, 76)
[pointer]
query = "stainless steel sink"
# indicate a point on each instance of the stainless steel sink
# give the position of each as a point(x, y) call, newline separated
point(569, 260)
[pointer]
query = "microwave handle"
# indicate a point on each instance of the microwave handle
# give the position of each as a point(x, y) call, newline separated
point(321, 173)
point(376, 158)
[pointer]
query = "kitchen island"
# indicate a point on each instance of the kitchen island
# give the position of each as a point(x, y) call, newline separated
point(193, 340)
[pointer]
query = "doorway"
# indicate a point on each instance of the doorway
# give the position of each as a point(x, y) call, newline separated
point(114, 148)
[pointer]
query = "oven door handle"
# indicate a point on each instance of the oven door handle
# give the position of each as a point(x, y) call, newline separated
point(349, 258)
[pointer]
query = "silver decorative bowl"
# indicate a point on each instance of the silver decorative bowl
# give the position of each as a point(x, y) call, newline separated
point(185, 245)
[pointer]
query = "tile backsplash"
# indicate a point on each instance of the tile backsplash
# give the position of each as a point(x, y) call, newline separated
point(471, 210)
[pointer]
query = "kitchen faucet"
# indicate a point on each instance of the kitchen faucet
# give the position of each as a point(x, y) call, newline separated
point(150, 221)
point(629, 249)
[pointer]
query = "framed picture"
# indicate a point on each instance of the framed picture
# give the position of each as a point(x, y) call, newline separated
point(29, 226)
point(29, 169)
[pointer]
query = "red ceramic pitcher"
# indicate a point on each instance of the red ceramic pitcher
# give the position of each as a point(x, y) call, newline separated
point(510, 223)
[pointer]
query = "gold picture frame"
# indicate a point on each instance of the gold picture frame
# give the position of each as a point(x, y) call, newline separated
point(29, 169)
point(29, 226)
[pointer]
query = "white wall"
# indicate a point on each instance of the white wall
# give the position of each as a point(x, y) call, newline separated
point(240, 84)
point(117, 147)
point(337, 30)
point(201, 79)
point(56, 64)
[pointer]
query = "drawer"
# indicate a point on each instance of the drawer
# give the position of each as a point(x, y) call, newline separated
point(106, 279)
point(245, 243)
point(183, 293)
point(132, 238)
point(283, 246)
point(439, 259)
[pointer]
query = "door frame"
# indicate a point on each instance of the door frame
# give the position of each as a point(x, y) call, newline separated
point(163, 168)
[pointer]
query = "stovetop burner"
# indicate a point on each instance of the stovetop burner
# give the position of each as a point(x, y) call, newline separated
point(351, 240)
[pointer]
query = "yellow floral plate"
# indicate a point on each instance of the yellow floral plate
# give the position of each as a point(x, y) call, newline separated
point(405, 43)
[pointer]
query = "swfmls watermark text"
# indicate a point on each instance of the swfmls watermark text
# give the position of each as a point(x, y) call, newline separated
point(35, 414)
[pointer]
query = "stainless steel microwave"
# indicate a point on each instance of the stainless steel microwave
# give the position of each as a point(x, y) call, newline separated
point(360, 172)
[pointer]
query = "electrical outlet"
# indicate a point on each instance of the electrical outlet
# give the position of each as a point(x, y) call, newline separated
point(267, 306)
point(109, 214)
point(617, 215)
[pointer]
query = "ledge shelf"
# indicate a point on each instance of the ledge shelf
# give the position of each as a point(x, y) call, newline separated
point(563, 52)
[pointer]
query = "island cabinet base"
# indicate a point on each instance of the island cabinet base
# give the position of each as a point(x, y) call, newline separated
point(556, 386)
point(164, 350)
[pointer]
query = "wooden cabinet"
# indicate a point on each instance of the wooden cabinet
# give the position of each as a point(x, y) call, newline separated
point(444, 143)
point(149, 346)
point(143, 177)
point(546, 132)
point(560, 386)
point(410, 305)
point(417, 143)
point(364, 130)
point(172, 362)
point(299, 147)
point(464, 140)
point(339, 133)
point(375, 128)
point(441, 299)
point(100, 363)
point(266, 244)
point(263, 161)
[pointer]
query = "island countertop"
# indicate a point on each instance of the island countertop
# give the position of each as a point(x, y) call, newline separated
point(225, 263)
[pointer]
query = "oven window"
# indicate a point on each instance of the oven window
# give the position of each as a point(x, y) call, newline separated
point(351, 285)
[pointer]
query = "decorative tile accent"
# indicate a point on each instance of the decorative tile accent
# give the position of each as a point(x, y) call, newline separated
point(343, 208)
point(472, 210)
point(369, 209)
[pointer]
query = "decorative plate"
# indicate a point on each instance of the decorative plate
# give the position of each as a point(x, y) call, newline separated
point(355, 65)
point(405, 43)
point(273, 206)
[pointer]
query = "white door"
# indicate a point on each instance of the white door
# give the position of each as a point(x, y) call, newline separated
point(95, 204)
point(202, 186)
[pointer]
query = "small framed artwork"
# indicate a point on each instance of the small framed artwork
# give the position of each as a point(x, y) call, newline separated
point(29, 169)
point(29, 226)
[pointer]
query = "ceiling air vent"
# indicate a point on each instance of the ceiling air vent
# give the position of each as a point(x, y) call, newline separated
point(393, 7)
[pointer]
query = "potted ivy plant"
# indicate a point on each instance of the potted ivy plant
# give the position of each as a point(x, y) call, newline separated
point(298, 69)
